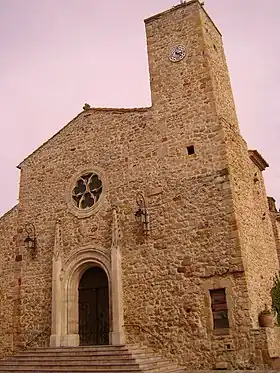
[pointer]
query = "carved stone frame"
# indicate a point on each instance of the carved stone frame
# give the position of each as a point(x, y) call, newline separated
point(219, 283)
point(65, 312)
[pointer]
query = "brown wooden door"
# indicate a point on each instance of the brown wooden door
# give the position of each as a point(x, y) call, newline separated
point(94, 307)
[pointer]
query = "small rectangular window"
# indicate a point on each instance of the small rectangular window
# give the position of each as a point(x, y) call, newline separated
point(219, 308)
point(190, 150)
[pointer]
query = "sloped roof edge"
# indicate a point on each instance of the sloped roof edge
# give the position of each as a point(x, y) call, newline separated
point(8, 212)
point(86, 112)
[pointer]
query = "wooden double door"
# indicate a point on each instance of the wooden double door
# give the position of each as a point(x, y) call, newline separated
point(94, 307)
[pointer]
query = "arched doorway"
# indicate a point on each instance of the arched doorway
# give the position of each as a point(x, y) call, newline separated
point(94, 307)
point(65, 294)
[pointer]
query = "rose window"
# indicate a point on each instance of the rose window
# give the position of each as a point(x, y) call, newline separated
point(87, 191)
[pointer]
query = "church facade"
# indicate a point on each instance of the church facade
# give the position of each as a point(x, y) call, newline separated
point(148, 225)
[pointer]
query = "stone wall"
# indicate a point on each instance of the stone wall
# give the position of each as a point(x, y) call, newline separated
point(8, 225)
point(277, 233)
point(194, 219)
point(273, 342)
point(200, 207)
point(255, 233)
point(275, 221)
point(98, 138)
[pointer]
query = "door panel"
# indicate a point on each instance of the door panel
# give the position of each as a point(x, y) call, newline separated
point(94, 307)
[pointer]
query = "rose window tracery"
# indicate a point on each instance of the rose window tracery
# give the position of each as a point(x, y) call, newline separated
point(87, 191)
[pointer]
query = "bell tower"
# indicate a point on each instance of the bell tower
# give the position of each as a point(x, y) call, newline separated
point(193, 103)
point(176, 56)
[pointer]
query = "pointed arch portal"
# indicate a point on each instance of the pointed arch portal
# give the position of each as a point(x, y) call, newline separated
point(87, 299)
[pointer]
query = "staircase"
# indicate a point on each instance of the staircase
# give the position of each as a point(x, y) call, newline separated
point(97, 359)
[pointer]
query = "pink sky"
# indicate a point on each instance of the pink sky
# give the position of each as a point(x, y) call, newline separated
point(58, 54)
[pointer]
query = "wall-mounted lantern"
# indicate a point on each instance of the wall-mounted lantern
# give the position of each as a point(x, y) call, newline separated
point(30, 241)
point(141, 215)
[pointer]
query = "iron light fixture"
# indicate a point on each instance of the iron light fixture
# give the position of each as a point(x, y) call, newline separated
point(141, 215)
point(30, 241)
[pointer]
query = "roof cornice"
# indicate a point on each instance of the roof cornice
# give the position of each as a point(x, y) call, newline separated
point(259, 161)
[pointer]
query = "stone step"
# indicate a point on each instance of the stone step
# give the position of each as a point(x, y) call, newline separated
point(83, 348)
point(98, 359)
point(74, 354)
point(70, 370)
point(92, 363)
point(103, 357)
point(87, 369)
point(82, 353)
point(71, 365)
point(78, 363)
point(112, 359)
point(87, 350)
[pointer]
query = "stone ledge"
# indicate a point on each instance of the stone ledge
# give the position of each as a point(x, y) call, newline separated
point(120, 110)
point(259, 161)
point(6, 214)
point(272, 204)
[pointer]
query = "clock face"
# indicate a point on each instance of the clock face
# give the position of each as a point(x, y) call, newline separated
point(177, 53)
